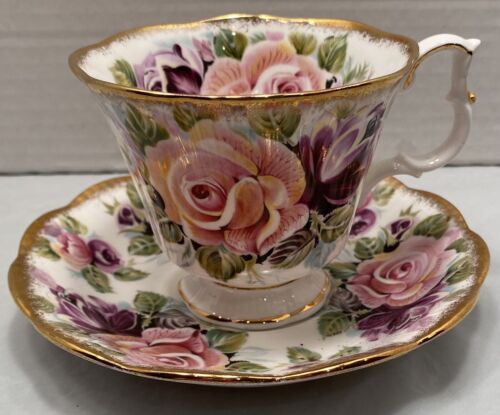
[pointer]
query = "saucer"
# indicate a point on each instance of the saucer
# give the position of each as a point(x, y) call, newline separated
point(92, 280)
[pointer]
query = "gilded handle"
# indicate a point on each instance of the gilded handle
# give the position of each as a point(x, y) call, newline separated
point(459, 97)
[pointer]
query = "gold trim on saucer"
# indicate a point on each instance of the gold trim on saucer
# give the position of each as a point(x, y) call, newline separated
point(19, 285)
point(361, 88)
point(322, 294)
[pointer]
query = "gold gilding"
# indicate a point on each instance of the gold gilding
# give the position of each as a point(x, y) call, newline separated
point(19, 284)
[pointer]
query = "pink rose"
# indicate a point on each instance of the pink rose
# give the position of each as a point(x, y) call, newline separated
point(73, 250)
point(225, 189)
point(185, 347)
point(405, 275)
point(268, 67)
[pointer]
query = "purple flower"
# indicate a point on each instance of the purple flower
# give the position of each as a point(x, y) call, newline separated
point(104, 256)
point(127, 217)
point(345, 300)
point(52, 229)
point(97, 316)
point(179, 70)
point(364, 220)
point(387, 320)
point(336, 158)
point(400, 226)
point(204, 49)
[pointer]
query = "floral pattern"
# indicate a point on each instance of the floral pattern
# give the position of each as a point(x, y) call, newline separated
point(231, 201)
point(239, 190)
point(391, 283)
point(229, 62)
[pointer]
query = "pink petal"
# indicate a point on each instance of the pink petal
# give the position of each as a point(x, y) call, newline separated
point(214, 358)
point(275, 193)
point(207, 130)
point(257, 58)
point(200, 235)
point(309, 68)
point(222, 73)
point(243, 241)
point(158, 335)
point(367, 296)
point(290, 220)
point(278, 161)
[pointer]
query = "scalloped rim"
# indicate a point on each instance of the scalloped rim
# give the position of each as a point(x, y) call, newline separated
point(76, 58)
point(19, 280)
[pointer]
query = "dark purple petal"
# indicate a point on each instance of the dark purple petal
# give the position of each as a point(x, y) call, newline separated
point(363, 221)
point(104, 255)
point(323, 140)
point(400, 226)
point(182, 80)
point(127, 217)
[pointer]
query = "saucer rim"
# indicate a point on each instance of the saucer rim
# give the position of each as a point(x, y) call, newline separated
point(19, 286)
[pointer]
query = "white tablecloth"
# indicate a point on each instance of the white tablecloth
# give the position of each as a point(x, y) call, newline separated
point(458, 373)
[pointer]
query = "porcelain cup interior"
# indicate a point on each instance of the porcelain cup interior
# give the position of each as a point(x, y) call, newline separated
point(248, 137)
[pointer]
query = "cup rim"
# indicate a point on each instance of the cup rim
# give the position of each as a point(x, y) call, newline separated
point(364, 87)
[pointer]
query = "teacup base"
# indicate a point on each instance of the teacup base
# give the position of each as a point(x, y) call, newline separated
point(255, 308)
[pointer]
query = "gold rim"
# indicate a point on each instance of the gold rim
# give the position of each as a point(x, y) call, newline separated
point(316, 301)
point(19, 280)
point(364, 87)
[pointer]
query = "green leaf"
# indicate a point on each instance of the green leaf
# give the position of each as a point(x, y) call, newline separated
point(332, 53)
point(341, 270)
point(459, 270)
point(390, 240)
point(433, 226)
point(97, 279)
point(291, 251)
point(336, 223)
point(111, 208)
point(42, 248)
point(367, 248)
point(226, 341)
point(304, 43)
point(143, 129)
point(257, 37)
point(456, 295)
point(123, 73)
point(133, 196)
point(129, 274)
point(171, 231)
point(228, 43)
point(460, 245)
point(355, 73)
point(302, 355)
point(219, 262)
point(186, 116)
point(277, 123)
point(245, 366)
point(409, 211)
point(149, 303)
point(333, 322)
point(143, 245)
point(42, 304)
point(346, 351)
point(383, 194)
point(73, 225)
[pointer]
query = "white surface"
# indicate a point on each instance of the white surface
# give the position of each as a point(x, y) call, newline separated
point(459, 373)
point(49, 121)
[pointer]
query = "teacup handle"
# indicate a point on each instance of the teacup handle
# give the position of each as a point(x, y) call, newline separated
point(459, 97)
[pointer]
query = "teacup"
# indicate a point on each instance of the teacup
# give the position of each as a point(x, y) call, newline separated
point(250, 140)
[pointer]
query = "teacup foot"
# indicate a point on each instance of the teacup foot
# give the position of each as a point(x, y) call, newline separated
point(255, 308)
